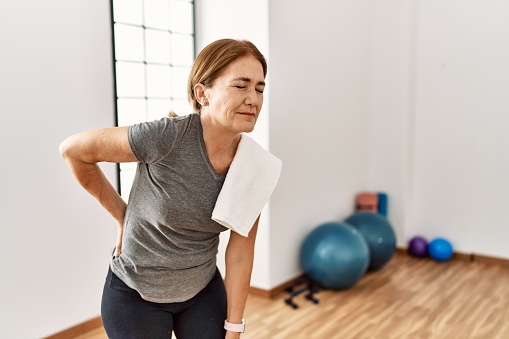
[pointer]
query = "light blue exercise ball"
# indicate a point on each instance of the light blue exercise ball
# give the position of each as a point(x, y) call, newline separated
point(379, 235)
point(335, 255)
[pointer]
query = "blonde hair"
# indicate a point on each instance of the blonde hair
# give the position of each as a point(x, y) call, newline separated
point(214, 59)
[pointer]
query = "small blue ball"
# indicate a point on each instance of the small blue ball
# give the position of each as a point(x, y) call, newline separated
point(440, 249)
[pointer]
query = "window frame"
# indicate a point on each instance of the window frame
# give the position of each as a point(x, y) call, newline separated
point(147, 65)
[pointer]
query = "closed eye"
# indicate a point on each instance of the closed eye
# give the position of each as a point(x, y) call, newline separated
point(244, 87)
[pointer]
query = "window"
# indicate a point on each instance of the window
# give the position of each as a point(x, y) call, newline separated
point(154, 49)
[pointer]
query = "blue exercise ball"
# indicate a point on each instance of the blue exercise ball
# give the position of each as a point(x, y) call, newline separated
point(379, 235)
point(335, 255)
point(440, 249)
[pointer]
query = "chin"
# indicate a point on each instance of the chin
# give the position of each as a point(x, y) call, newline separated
point(246, 128)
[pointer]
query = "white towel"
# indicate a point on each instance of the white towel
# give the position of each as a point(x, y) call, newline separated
point(249, 183)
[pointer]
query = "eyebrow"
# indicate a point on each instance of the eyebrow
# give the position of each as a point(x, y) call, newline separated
point(248, 80)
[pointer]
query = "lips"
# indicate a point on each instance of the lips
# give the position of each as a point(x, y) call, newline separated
point(247, 113)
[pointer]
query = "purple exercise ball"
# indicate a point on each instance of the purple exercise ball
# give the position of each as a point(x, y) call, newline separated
point(418, 247)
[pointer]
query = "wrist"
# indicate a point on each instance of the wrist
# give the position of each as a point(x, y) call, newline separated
point(232, 335)
point(232, 327)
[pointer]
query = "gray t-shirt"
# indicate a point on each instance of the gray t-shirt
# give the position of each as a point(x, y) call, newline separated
point(170, 241)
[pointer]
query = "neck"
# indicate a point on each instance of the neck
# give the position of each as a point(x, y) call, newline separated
point(218, 139)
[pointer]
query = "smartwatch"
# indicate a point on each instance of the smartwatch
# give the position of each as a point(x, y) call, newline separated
point(235, 327)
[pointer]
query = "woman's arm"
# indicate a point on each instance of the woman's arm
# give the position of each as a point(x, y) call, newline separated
point(239, 264)
point(83, 151)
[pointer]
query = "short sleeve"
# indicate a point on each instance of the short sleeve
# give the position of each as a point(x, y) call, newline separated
point(152, 141)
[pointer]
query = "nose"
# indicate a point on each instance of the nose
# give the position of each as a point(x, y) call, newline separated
point(252, 98)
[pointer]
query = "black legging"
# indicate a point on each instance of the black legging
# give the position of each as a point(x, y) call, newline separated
point(126, 315)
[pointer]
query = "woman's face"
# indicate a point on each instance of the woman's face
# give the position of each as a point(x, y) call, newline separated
point(236, 97)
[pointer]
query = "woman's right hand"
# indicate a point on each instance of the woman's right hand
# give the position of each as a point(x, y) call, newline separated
point(120, 233)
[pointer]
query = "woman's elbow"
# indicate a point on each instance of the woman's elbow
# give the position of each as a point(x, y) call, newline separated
point(71, 148)
point(65, 148)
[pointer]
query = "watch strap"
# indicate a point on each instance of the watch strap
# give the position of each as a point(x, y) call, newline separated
point(235, 327)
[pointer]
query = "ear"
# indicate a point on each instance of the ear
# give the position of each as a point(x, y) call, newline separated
point(200, 92)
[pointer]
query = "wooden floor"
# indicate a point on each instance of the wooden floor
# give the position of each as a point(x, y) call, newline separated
point(408, 298)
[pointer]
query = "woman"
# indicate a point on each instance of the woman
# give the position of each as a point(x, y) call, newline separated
point(163, 276)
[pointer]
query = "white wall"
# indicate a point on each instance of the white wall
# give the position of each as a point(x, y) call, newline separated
point(56, 67)
point(319, 61)
point(391, 106)
point(461, 155)
point(438, 119)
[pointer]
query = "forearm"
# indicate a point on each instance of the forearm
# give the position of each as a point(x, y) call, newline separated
point(239, 265)
point(237, 283)
point(93, 180)
point(82, 152)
